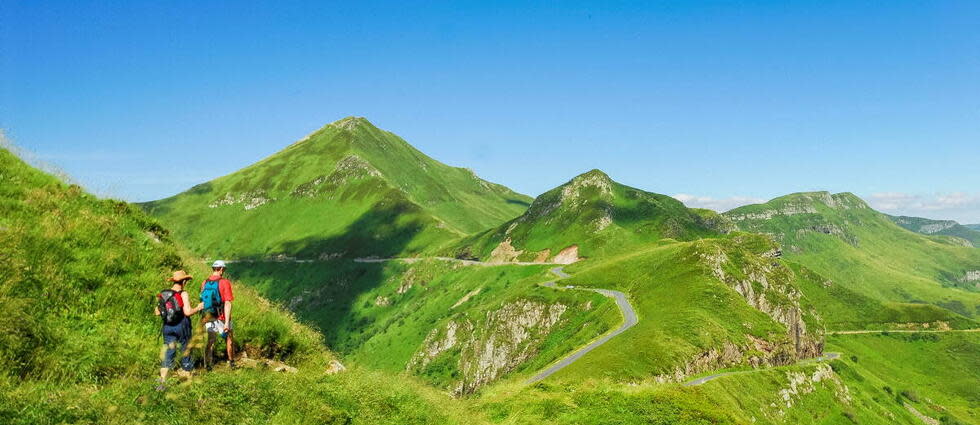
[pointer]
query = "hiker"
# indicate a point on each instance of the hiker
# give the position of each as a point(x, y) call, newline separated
point(174, 307)
point(216, 296)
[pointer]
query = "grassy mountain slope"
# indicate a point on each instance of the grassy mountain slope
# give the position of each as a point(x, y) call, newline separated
point(938, 227)
point(79, 343)
point(703, 305)
point(863, 251)
point(591, 215)
point(936, 373)
point(348, 189)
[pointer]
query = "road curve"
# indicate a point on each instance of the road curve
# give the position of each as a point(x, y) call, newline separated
point(629, 319)
point(703, 379)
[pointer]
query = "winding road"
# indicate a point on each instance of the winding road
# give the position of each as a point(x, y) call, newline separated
point(629, 319)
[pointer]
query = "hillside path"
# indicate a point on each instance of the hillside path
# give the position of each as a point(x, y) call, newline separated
point(411, 260)
point(901, 331)
point(629, 319)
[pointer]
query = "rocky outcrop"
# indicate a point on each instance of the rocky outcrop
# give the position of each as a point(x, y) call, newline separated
point(484, 350)
point(249, 200)
point(504, 252)
point(767, 286)
point(756, 353)
point(567, 256)
point(971, 276)
point(801, 384)
point(790, 209)
point(347, 170)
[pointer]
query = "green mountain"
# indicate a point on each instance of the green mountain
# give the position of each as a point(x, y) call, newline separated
point(79, 342)
point(939, 227)
point(347, 190)
point(589, 216)
point(973, 226)
point(883, 274)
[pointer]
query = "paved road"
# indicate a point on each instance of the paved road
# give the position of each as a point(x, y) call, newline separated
point(629, 319)
point(703, 379)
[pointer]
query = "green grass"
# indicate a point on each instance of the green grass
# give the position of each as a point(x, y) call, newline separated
point(940, 371)
point(349, 189)
point(79, 342)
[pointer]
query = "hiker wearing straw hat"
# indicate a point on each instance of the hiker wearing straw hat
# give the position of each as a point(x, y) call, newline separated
point(174, 308)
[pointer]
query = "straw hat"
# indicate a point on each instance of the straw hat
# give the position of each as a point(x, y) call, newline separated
point(180, 276)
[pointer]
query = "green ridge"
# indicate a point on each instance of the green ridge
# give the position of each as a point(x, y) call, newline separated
point(914, 277)
point(597, 215)
point(938, 227)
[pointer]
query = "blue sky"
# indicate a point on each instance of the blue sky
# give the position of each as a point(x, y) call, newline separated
point(719, 103)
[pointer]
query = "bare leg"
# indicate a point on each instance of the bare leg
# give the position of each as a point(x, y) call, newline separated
point(209, 351)
point(230, 348)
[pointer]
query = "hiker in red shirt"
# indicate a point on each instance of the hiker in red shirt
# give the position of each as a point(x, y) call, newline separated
point(216, 295)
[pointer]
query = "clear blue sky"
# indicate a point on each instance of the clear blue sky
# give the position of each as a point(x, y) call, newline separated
point(723, 102)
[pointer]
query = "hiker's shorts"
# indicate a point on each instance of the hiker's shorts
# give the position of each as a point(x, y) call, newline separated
point(230, 325)
point(177, 337)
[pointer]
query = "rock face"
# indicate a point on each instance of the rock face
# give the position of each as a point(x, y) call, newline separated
point(800, 384)
point(504, 253)
point(485, 350)
point(757, 353)
point(567, 256)
point(767, 286)
point(801, 214)
point(249, 200)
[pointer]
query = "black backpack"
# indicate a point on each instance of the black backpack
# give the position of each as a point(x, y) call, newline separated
point(170, 310)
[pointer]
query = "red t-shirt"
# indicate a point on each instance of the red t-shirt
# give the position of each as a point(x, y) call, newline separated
point(224, 288)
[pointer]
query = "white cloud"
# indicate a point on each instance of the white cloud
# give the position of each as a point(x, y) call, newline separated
point(960, 206)
point(717, 204)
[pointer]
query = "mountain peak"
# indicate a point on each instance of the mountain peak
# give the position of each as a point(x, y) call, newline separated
point(350, 123)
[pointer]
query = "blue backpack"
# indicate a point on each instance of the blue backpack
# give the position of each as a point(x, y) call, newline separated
point(211, 296)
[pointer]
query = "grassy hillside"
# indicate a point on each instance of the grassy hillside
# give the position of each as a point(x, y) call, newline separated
point(703, 305)
point(937, 373)
point(589, 216)
point(913, 277)
point(938, 227)
point(79, 343)
point(875, 381)
point(349, 189)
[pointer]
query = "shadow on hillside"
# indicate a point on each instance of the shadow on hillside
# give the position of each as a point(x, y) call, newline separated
point(524, 204)
point(324, 292)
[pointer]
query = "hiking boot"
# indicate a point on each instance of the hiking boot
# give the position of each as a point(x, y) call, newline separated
point(160, 386)
point(232, 365)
